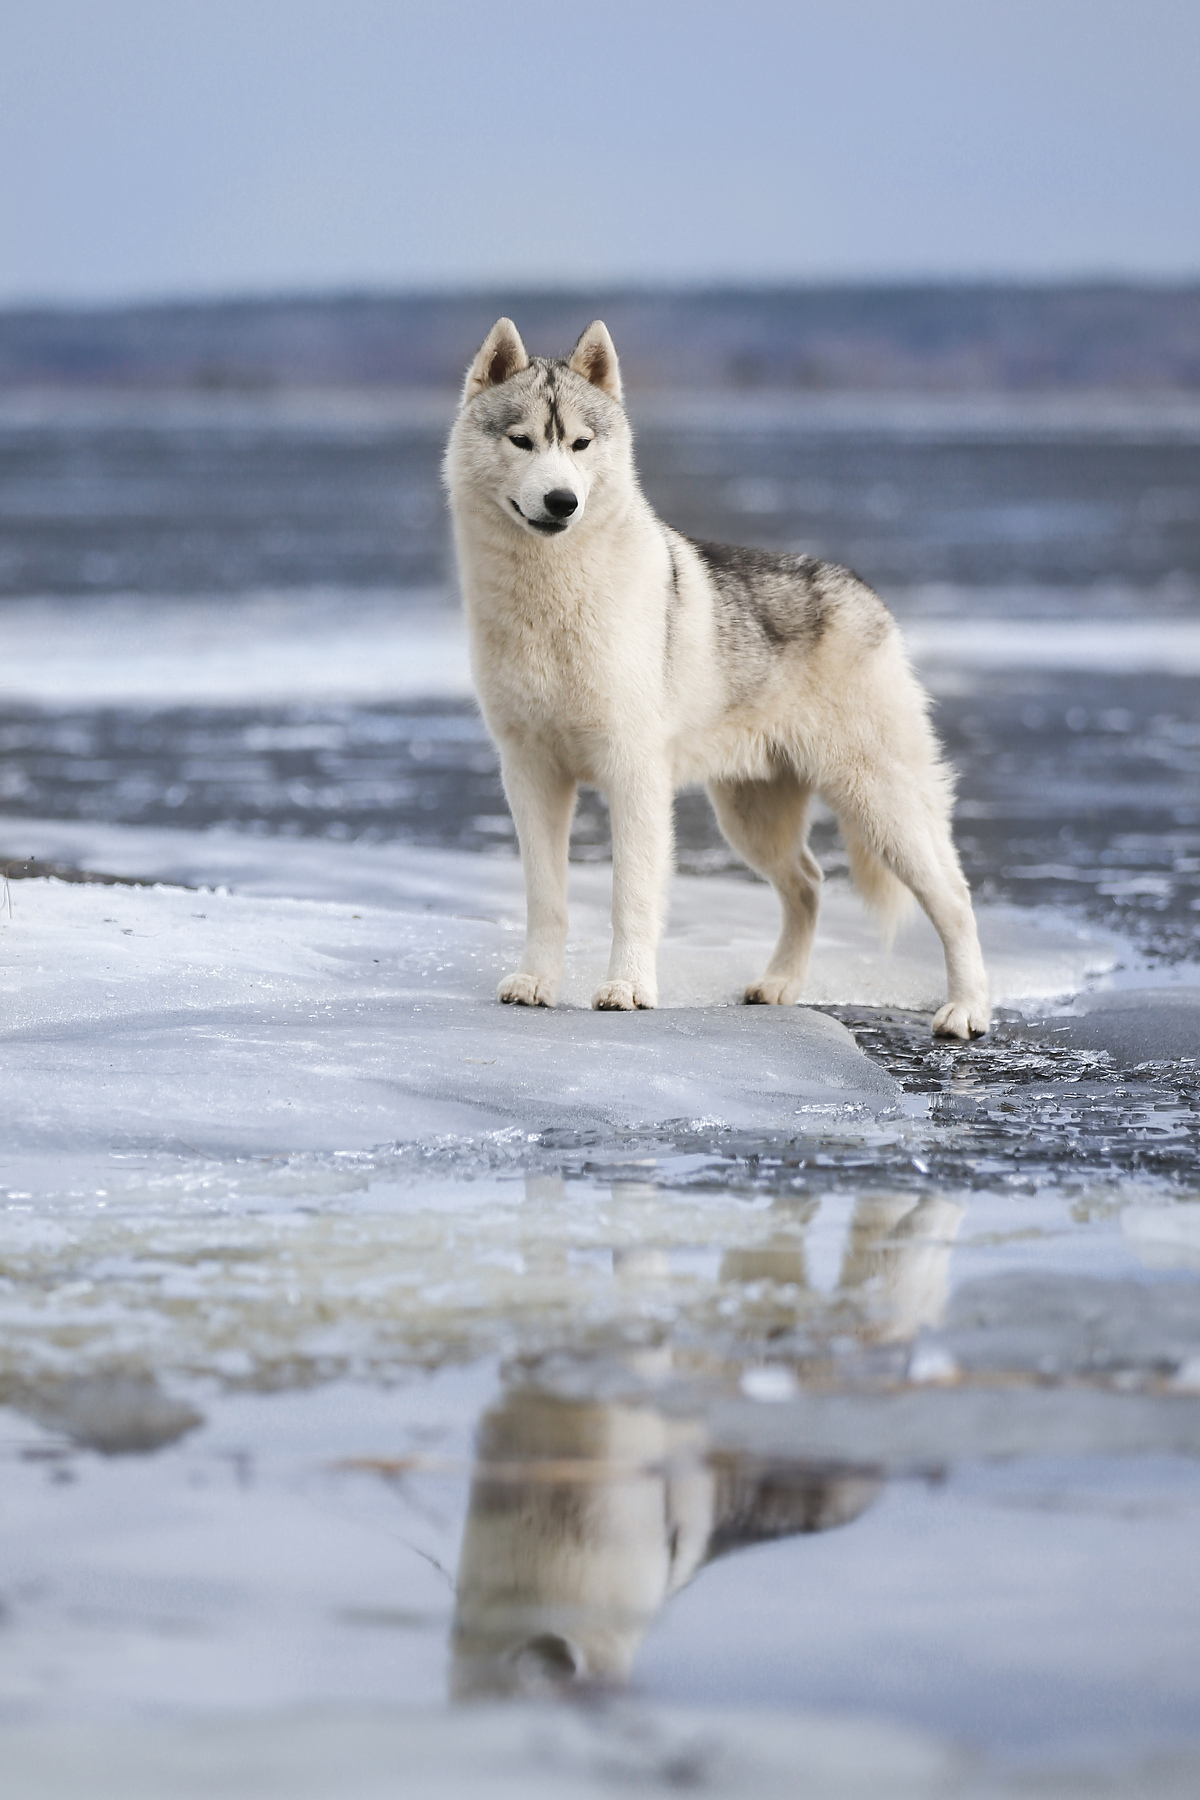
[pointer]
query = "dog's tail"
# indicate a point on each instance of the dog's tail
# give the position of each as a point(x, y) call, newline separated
point(887, 897)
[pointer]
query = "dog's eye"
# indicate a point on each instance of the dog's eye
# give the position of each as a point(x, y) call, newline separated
point(522, 442)
point(581, 443)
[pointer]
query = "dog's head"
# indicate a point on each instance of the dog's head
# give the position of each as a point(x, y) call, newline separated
point(540, 439)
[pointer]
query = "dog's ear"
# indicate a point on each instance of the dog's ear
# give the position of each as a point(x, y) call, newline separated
point(595, 359)
point(500, 355)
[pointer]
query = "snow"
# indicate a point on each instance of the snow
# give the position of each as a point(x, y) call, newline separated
point(341, 645)
point(318, 644)
point(1099, 646)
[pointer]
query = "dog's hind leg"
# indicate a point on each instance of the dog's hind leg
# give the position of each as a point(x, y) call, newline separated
point(766, 822)
point(895, 818)
point(542, 800)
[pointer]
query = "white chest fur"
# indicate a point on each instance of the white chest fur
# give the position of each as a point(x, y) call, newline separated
point(567, 644)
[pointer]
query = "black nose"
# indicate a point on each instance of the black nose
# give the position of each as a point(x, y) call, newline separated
point(560, 503)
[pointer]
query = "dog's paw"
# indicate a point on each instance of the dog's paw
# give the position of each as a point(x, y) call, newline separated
point(773, 990)
point(962, 1019)
point(623, 996)
point(526, 990)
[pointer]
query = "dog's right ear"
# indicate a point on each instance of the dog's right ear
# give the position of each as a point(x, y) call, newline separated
point(500, 355)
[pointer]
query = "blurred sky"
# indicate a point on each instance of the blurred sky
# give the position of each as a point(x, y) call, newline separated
point(168, 147)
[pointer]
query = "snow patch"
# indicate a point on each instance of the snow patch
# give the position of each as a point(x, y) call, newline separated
point(268, 648)
point(334, 645)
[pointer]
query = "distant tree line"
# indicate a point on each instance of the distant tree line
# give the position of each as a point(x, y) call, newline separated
point(956, 338)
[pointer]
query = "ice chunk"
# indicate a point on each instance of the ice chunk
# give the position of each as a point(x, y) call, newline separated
point(770, 1382)
point(226, 1022)
point(345, 998)
point(930, 1362)
point(110, 1413)
point(1134, 1025)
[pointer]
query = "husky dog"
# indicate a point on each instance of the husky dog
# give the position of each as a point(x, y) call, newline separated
point(609, 649)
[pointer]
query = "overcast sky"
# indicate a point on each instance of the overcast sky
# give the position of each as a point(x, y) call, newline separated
point(170, 147)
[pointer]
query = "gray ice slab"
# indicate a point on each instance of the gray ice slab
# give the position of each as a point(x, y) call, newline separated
point(1133, 1024)
point(391, 1071)
point(222, 1022)
point(772, 1069)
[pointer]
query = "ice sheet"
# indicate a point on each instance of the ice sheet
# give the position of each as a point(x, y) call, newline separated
point(268, 1020)
point(226, 651)
point(334, 644)
point(1133, 1024)
point(720, 932)
point(272, 1024)
point(1119, 646)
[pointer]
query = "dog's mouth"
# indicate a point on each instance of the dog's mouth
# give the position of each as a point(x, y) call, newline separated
point(547, 527)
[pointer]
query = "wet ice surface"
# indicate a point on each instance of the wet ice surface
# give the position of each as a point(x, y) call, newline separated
point(186, 494)
point(825, 1401)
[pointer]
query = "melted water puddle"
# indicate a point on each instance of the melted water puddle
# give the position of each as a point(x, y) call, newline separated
point(717, 1432)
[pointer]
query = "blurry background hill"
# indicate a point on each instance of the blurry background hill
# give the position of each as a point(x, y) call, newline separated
point(928, 338)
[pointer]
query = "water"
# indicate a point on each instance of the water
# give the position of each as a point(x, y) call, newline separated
point(216, 496)
point(364, 1344)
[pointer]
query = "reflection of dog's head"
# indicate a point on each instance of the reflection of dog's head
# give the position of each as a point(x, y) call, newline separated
point(540, 441)
point(585, 1518)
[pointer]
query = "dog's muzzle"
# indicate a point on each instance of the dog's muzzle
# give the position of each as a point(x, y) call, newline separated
point(560, 503)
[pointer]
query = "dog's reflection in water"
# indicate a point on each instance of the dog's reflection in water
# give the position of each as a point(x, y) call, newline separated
point(585, 1517)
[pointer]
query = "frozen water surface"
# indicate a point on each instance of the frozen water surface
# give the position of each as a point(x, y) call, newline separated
point(819, 1404)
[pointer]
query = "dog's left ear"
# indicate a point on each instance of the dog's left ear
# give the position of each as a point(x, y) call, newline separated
point(595, 359)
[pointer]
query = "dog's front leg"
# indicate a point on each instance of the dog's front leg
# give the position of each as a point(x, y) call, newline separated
point(640, 812)
point(542, 800)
